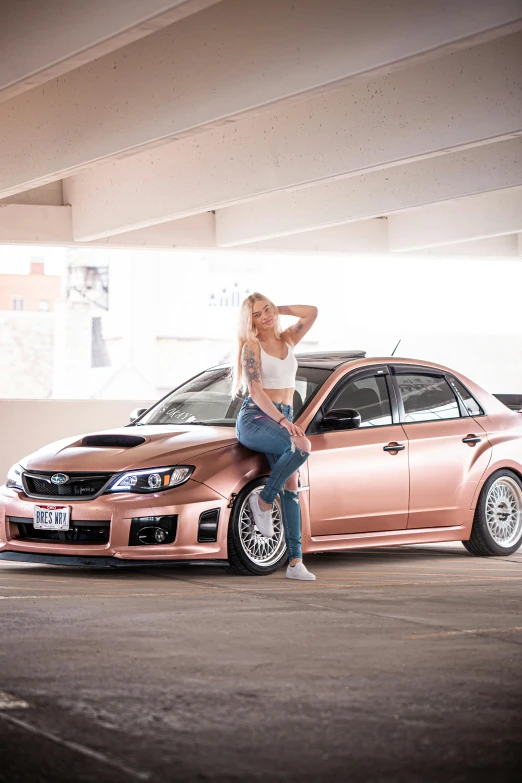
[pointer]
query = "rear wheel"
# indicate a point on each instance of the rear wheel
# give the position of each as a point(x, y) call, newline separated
point(250, 553)
point(497, 526)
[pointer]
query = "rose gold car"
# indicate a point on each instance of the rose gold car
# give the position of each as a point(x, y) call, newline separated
point(403, 452)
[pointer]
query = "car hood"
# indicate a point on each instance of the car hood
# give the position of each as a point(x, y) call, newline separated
point(129, 448)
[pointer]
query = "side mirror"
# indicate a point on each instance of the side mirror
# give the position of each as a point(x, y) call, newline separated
point(136, 413)
point(341, 419)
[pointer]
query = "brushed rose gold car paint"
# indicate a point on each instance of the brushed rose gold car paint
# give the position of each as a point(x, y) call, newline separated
point(372, 485)
point(354, 493)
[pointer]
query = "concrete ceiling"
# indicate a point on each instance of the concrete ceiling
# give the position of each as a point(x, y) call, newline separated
point(292, 125)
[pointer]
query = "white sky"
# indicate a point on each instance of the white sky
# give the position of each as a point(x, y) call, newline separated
point(464, 313)
point(368, 292)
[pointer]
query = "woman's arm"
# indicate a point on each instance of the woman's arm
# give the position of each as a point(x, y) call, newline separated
point(306, 314)
point(250, 359)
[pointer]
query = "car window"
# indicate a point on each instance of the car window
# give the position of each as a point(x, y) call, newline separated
point(472, 406)
point(207, 399)
point(427, 397)
point(369, 396)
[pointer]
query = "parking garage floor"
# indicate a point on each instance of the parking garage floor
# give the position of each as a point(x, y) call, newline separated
point(399, 664)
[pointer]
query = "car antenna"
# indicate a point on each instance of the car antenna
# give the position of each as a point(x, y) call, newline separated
point(393, 352)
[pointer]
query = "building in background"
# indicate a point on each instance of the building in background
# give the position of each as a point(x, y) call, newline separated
point(35, 292)
point(27, 327)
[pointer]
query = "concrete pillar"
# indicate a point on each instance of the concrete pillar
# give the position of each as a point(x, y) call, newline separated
point(72, 350)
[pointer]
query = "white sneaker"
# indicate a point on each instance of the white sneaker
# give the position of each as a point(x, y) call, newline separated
point(263, 519)
point(299, 571)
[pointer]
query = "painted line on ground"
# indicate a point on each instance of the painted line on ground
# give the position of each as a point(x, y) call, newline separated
point(463, 632)
point(216, 589)
point(77, 747)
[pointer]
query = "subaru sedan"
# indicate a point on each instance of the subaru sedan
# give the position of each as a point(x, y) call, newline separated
point(403, 452)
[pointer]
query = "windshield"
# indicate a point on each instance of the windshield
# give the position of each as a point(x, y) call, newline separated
point(206, 399)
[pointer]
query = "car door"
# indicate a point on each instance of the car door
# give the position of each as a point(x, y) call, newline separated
point(358, 481)
point(448, 448)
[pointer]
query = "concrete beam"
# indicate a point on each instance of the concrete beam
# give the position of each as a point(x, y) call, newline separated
point(457, 174)
point(503, 246)
point(50, 195)
point(436, 225)
point(40, 41)
point(52, 225)
point(237, 57)
point(368, 236)
point(468, 99)
point(197, 231)
point(34, 224)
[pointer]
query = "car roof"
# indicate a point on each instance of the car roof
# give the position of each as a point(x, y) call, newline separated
point(328, 360)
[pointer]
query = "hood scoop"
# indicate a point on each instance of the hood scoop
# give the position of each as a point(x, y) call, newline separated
point(112, 441)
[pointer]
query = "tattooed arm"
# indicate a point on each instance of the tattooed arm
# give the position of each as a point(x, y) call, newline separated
point(306, 314)
point(251, 361)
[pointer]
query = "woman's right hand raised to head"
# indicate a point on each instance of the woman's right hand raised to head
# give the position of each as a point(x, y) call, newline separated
point(292, 428)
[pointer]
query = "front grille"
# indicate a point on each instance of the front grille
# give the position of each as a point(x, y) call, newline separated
point(81, 532)
point(80, 485)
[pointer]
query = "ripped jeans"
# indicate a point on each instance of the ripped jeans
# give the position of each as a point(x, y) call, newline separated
point(259, 432)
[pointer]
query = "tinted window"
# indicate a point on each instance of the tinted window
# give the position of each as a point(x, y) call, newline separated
point(470, 402)
point(427, 398)
point(207, 399)
point(369, 396)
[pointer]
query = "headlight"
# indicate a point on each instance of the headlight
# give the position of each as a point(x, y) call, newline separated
point(151, 480)
point(14, 477)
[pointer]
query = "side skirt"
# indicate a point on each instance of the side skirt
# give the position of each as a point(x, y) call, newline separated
point(405, 537)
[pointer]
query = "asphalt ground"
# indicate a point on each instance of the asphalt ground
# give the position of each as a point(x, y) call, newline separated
point(400, 664)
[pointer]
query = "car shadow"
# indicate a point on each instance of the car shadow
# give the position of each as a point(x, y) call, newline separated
point(372, 557)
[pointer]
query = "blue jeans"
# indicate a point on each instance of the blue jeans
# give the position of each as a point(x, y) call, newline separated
point(259, 432)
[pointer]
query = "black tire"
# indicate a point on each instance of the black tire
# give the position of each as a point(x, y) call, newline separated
point(482, 542)
point(239, 561)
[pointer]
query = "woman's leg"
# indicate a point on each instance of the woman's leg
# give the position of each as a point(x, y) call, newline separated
point(293, 451)
point(261, 433)
point(292, 519)
point(291, 514)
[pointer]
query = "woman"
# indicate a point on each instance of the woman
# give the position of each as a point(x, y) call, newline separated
point(266, 366)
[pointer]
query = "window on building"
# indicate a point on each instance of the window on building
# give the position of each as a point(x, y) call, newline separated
point(99, 353)
point(18, 303)
point(44, 306)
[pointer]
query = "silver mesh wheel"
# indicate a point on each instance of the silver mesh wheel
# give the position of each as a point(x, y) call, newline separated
point(261, 550)
point(504, 511)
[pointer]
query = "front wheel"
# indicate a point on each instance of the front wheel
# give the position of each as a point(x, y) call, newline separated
point(250, 553)
point(497, 526)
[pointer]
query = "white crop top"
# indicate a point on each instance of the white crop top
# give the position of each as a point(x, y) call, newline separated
point(278, 373)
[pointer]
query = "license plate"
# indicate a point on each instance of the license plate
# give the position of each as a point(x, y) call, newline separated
point(51, 517)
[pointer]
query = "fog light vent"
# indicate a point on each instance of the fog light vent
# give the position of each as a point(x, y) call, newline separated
point(146, 531)
point(208, 525)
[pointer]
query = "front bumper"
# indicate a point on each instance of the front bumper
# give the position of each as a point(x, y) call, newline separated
point(187, 502)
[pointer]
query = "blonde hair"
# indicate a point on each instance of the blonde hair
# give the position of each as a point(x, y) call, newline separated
point(247, 332)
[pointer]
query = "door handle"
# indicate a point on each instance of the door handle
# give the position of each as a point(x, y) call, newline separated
point(471, 439)
point(393, 447)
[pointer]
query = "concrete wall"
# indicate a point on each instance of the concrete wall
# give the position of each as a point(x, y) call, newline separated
point(27, 425)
